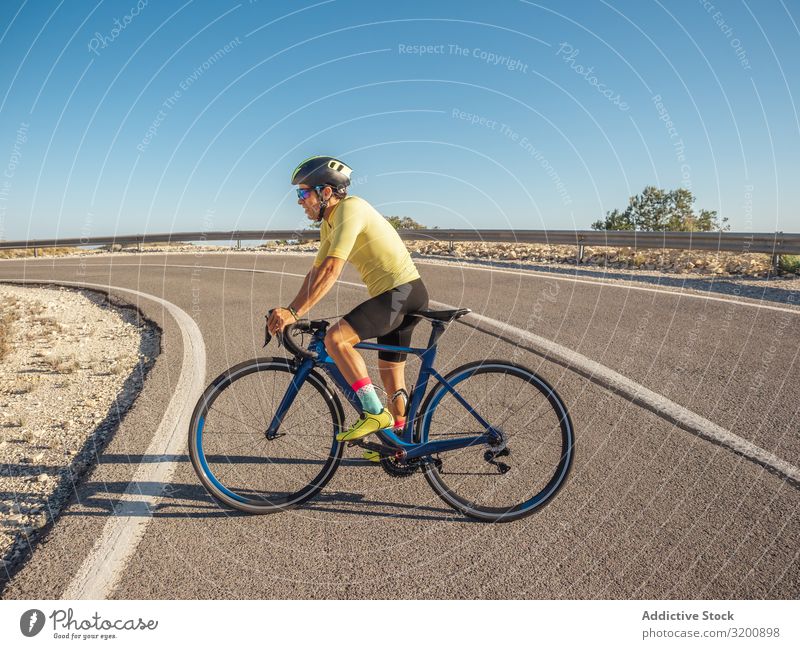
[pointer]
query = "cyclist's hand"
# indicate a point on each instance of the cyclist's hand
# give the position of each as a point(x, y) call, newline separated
point(279, 319)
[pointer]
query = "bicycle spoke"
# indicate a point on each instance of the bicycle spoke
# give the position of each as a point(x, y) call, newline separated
point(267, 474)
point(226, 432)
point(238, 421)
point(305, 421)
point(489, 486)
point(254, 416)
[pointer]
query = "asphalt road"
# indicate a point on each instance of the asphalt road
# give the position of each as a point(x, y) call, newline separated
point(650, 510)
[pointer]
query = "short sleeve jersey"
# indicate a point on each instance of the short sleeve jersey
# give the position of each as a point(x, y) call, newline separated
point(359, 234)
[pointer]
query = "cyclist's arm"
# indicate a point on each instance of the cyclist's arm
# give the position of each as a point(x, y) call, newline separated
point(303, 292)
point(318, 282)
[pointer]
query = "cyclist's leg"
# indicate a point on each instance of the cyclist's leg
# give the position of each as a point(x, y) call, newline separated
point(392, 364)
point(370, 319)
point(374, 318)
point(340, 343)
point(393, 376)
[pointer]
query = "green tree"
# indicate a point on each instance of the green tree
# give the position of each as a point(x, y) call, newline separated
point(615, 220)
point(656, 210)
point(404, 223)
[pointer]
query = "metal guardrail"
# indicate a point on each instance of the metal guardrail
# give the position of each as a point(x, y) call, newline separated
point(772, 243)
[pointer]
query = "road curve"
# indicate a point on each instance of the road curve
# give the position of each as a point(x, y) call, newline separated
point(650, 511)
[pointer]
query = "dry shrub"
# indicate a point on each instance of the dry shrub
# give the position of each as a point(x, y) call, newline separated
point(18, 253)
point(22, 386)
point(49, 325)
point(61, 364)
point(7, 316)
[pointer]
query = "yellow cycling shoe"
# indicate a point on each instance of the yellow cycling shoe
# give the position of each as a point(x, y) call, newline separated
point(367, 425)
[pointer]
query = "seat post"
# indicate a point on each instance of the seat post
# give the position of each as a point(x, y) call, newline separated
point(437, 329)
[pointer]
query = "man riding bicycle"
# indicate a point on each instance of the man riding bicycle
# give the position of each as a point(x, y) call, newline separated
point(352, 230)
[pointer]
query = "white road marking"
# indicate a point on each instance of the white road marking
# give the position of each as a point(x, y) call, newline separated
point(102, 569)
point(637, 393)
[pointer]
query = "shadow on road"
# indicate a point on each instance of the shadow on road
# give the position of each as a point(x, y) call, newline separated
point(192, 501)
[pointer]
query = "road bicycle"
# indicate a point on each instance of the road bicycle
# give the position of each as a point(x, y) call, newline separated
point(492, 438)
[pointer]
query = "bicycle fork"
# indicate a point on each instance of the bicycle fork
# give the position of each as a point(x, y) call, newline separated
point(288, 399)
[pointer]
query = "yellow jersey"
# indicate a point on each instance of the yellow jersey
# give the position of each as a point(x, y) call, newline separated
point(359, 234)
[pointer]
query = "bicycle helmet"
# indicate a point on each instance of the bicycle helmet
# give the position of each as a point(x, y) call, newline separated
point(319, 171)
point(322, 170)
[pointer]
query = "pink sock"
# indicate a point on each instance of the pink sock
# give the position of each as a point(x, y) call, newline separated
point(367, 396)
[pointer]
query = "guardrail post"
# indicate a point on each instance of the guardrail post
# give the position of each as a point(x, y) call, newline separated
point(580, 253)
point(238, 244)
point(450, 247)
point(776, 264)
point(35, 253)
point(139, 246)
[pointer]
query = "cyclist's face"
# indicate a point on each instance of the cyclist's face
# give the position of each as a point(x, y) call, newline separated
point(310, 203)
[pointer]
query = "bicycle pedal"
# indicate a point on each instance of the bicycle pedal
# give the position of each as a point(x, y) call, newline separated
point(372, 446)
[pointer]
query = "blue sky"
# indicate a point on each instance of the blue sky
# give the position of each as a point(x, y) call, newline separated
point(136, 116)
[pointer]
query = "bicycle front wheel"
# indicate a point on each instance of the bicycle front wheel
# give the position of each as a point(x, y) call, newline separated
point(231, 453)
point(507, 482)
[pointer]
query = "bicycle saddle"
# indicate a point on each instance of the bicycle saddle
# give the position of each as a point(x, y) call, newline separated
point(442, 316)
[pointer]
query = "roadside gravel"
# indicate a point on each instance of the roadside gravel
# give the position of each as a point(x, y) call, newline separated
point(73, 366)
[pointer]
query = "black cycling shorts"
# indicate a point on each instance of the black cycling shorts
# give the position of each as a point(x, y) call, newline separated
point(386, 318)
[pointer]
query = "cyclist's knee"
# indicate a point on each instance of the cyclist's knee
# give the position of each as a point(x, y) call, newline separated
point(333, 339)
point(337, 337)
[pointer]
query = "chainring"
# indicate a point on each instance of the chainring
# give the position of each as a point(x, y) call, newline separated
point(399, 469)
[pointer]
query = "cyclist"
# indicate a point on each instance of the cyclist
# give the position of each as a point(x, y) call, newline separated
point(352, 230)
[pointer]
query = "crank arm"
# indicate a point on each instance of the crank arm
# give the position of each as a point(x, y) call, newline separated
point(382, 449)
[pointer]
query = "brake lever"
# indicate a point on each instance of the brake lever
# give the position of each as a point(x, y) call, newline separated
point(268, 335)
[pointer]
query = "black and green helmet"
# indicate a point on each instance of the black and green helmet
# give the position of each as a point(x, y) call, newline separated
point(322, 170)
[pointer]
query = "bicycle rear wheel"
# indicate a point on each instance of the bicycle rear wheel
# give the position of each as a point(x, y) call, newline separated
point(500, 484)
point(229, 448)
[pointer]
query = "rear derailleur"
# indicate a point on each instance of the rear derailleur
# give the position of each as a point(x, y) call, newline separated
point(496, 450)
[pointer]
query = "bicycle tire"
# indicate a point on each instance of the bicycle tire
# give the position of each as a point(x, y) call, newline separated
point(281, 473)
point(543, 452)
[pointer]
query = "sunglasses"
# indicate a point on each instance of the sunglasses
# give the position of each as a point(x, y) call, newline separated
point(303, 194)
